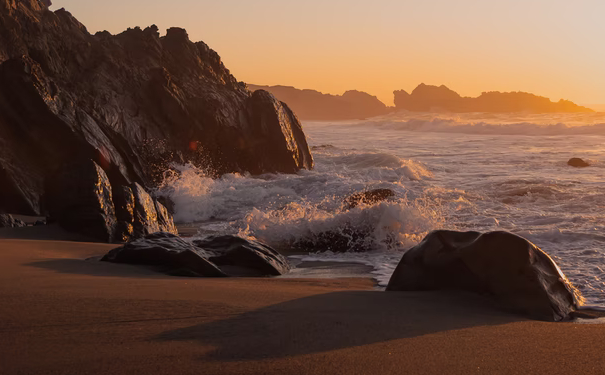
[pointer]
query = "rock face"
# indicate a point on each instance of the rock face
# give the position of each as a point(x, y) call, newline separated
point(518, 274)
point(577, 162)
point(237, 256)
point(314, 105)
point(7, 221)
point(132, 102)
point(80, 200)
point(167, 251)
point(427, 98)
point(211, 257)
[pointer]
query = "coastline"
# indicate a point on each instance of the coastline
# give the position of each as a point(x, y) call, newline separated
point(63, 314)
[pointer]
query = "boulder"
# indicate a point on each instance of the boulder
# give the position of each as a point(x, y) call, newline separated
point(123, 199)
point(133, 102)
point(577, 162)
point(518, 274)
point(80, 200)
point(368, 197)
point(237, 256)
point(167, 251)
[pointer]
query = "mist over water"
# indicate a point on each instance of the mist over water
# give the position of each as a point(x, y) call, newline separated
point(463, 171)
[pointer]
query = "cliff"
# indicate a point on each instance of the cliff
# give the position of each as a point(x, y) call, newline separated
point(132, 102)
point(313, 105)
point(426, 98)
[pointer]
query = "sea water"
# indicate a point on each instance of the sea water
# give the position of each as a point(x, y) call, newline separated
point(475, 171)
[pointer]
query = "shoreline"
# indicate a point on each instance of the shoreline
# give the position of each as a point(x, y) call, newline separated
point(63, 314)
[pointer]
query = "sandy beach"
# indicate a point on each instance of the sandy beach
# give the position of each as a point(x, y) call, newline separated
point(62, 314)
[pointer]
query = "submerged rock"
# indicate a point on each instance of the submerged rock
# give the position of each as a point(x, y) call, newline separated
point(133, 102)
point(368, 197)
point(167, 251)
point(79, 198)
point(577, 162)
point(237, 256)
point(521, 276)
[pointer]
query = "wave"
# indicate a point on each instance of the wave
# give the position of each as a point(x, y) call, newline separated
point(444, 125)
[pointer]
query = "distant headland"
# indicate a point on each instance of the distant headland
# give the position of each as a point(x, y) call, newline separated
point(314, 105)
point(427, 98)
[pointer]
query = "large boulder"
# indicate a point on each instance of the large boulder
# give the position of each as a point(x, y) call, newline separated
point(521, 276)
point(237, 256)
point(168, 252)
point(133, 102)
point(80, 199)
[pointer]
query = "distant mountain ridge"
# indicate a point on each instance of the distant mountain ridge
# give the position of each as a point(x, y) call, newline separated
point(427, 98)
point(314, 105)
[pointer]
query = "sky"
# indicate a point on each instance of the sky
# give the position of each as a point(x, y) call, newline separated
point(553, 48)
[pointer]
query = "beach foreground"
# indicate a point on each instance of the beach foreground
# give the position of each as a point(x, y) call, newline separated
point(65, 315)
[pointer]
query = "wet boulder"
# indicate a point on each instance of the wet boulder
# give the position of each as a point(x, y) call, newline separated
point(237, 256)
point(79, 199)
point(368, 197)
point(518, 274)
point(577, 162)
point(170, 253)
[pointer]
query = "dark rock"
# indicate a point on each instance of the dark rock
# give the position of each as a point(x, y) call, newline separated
point(123, 199)
point(237, 256)
point(133, 103)
point(368, 197)
point(39, 223)
point(7, 221)
point(80, 199)
point(167, 251)
point(518, 274)
point(426, 98)
point(345, 239)
point(168, 203)
point(276, 136)
point(19, 223)
point(577, 162)
point(147, 220)
point(165, 221)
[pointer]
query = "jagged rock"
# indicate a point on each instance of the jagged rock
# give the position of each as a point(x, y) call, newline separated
point(133, 103)
point(7, 221)
point(514, 271)
point(430, 98)
point(577, 162)
point(123, 200)
point(145, 214)
point(165, 221)
point(276, 134)
point(167, 251)
point(80, 199)
point(368, 197)
point(237, 256)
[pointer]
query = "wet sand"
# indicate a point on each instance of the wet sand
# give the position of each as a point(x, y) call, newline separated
point(62, 314)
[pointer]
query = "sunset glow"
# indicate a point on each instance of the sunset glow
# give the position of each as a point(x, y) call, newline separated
point(551, 48)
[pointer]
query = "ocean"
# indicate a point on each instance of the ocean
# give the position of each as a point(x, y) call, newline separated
point(476, 171)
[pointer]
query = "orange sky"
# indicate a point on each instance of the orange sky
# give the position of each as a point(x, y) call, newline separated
point(553, 48)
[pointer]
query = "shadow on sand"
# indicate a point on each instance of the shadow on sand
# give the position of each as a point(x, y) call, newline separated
point(94, 267)
point(339, 320)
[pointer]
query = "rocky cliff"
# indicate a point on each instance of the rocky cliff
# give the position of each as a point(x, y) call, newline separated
point(426, 98)
point(313, 105)
point(132, 102)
